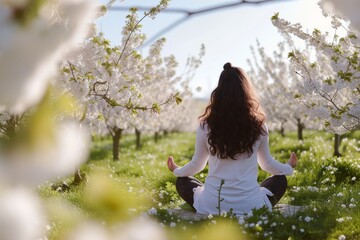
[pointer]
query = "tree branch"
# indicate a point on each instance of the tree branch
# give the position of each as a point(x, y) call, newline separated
point(190, 13)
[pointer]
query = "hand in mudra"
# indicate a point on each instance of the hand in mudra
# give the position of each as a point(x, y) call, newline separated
point(171, 164)
point(293, 160)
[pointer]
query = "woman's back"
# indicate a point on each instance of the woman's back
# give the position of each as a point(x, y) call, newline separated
point(233, 139)
point(240, 190)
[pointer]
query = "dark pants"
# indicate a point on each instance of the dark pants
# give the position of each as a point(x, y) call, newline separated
point(276, 184)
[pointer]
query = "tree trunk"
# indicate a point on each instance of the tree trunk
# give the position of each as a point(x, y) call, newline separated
point(300, 127)
point(337, 145)
point(78, 177)
point(165, 133)
point(116, 143)
point(156, 136)
point(10, 127)
point(138, 139)
point(282, 130)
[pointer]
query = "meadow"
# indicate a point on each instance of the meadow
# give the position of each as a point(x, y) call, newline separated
point(139, 184)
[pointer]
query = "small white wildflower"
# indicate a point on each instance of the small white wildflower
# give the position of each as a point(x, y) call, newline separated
point(352, 200)
point(340, 220)
point(172, 224)
point(152, 211)
point(352, 205)
point(210, 216)
point(302, 230)
point(353, 178)
point(223, 213)
point(342, 237)
point(307, 219)
point(340, 194)
point(252, 225)
point(293, 227)
point(241, 221)
point(343, 205)
point(250, 214)
point(273, 224)
point(313, 189)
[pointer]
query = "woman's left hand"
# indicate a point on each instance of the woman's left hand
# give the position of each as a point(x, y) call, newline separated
point(171, 164)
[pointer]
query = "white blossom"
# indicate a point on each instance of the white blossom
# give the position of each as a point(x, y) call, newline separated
point(342, 237)
point(307, 219)
point(21, 215)
point(62, 156)
point(29, 53)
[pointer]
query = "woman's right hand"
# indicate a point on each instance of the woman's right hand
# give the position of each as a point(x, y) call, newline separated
point(171, 164)
point(293, 160)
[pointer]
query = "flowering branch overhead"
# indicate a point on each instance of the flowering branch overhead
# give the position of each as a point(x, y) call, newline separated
point(189, 13)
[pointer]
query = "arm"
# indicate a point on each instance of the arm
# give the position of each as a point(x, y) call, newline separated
point(268, 163)
point(200, 158)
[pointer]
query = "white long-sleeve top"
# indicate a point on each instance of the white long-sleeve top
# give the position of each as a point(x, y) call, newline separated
point(241, 191)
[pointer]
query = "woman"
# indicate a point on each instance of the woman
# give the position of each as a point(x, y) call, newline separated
point(233, 138)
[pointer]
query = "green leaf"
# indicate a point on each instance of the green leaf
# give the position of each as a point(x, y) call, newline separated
point(316, 32)
point(134, 111)
point(297, 96)
point(112, 103)
point(178, 99)
point(66, 70)
point(291, 55)
point(156, 108)
point(275, 16)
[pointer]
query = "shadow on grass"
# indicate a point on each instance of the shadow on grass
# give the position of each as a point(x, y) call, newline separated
point(99, 153)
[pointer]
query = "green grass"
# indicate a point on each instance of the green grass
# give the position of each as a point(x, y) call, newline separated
point(327, 187)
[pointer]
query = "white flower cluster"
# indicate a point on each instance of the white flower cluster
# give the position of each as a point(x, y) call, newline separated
point(116, 86)
point(278, 86)
point(150, 230)
point(331, 83)
point(30, 51)
point(33, 38)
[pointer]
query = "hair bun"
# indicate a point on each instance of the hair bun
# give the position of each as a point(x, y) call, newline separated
point(227, 66)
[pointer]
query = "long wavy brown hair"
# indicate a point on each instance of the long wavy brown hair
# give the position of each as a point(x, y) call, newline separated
point(234, 116)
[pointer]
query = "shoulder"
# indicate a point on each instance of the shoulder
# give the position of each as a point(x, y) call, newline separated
point(264, 134)
point(265, 128)
point(202, 129)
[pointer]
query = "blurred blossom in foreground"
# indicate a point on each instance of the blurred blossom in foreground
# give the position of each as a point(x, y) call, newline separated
point(21, 215)
point(30, 51)
point(139, 229)
point(90, 231)
point(348, 9)
point(32, 166)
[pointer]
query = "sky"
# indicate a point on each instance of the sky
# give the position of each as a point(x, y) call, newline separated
point(227, 34)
